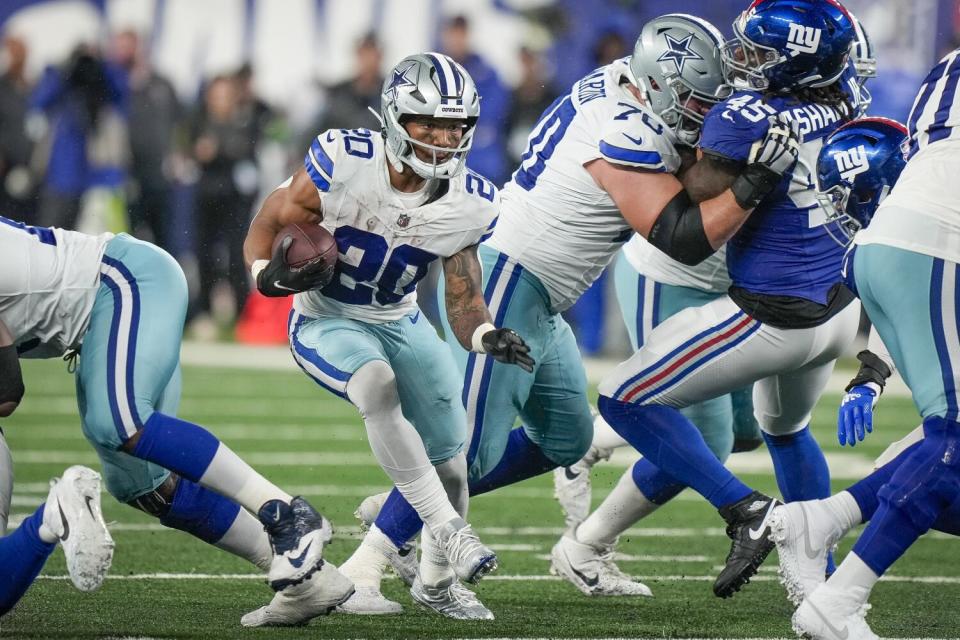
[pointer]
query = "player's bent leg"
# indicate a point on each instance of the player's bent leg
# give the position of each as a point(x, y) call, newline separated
point(22, 555)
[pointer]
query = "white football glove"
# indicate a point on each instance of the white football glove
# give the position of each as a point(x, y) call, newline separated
point(780, 148)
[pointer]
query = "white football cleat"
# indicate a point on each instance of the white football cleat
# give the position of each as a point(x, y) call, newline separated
point(404, 560)
point(830, 614)
point(368, 601)
point(450, 599)
point(571, 486)
point(469, 558)
point(72, 513)
point(805, 533)
point(592, 570)
point(316, 595)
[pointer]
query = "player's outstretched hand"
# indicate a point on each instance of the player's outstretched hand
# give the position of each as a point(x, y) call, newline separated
point(279, 279)
point(506, 346)
point(855, 419)
point(779, 149)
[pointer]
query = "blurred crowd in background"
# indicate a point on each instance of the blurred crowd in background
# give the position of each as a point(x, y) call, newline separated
point(172, 119)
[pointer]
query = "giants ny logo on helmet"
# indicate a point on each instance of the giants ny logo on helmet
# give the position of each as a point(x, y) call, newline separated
point(802, 39)
point(852, 162)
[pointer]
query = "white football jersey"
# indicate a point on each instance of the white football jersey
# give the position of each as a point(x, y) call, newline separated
point(709, 275)
point(554, 218)
point(386, 246)
point(48, 281)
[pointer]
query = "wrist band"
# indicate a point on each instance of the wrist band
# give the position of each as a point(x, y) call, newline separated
point(257, 267)
point(477, 341)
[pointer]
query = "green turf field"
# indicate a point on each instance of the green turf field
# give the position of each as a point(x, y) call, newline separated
point(165, 584)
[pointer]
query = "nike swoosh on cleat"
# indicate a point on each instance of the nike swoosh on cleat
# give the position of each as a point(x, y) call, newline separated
point(808, 548)
point(88, 500)
point(840, 633)
point(756, 534)
point(570, 474)
point(66, 525)
point(298, 561)
point(590, 582)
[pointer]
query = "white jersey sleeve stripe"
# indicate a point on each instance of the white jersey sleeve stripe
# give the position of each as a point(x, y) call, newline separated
point(633, 157)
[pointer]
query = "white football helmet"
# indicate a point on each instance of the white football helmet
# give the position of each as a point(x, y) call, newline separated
point(434, 85)
point(676, 58)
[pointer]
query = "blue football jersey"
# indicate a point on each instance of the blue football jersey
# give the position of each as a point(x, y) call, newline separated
point(784, 247)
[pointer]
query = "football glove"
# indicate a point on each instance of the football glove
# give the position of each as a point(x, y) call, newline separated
point(279, 279)
point(508, 347)
point(769, 159)
point(855, 419)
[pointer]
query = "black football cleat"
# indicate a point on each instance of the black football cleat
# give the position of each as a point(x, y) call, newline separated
point(748, 526)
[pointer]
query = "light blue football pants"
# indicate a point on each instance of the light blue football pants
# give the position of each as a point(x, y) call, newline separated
point(129, 364)
point(644, 304)
point(551, 402)
point(331, 350)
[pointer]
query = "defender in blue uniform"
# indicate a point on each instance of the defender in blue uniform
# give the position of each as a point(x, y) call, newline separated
point(786, 317)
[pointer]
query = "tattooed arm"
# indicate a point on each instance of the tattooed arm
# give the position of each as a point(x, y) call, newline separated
point(469, 317)
point(466, 309)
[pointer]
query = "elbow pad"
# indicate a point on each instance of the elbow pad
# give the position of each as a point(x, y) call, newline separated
point(678, 231)
point(753, 185)
point(11, 379)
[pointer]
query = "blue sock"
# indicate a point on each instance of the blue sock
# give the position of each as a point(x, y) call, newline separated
point(521, 459)
point(180, 446)
point(865, 491)
point(200, 512)
point(672, 443)
point(398, 520)
point(921, 489)
point(798, 462)
point(22, 556)
point(801, 470)
point(657, 486)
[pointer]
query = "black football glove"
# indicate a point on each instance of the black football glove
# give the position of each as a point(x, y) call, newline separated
point(279, 279)
point(506, 346)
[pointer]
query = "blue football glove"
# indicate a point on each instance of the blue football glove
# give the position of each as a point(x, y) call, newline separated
point(855, 419)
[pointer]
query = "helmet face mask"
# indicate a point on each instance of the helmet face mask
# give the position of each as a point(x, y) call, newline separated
point(433, 86)
point(676, 66)
point(783, 45)
point(857, 167)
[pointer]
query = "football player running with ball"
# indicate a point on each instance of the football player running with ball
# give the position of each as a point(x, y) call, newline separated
point(396, 201)
point(600, 165)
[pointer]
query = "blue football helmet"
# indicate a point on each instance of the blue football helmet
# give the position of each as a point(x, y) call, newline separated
point(783, 45)
point(857, 167)
point(863, 63)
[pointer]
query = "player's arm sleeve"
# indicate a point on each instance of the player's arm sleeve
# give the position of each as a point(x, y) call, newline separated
point(634, 144)
point(730, 129)
point(11, 378)
point(322, 159)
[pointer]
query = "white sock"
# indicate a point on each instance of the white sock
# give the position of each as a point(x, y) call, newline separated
point(845, 509)
point(230, 476)
point(369, 562)
point(853, 577)
point(428, 497)
point(434, 566)
point(246, 539)
point(45, 534)
point(618, 512)
point(604, 437)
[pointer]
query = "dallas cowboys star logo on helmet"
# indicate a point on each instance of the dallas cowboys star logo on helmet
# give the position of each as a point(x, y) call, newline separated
point(679, 52)
point(400, 79)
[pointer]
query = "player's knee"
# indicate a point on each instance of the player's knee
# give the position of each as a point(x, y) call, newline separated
point(373, 389)
point(156, 502)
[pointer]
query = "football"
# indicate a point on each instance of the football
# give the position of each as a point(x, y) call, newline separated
point(310, 243)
